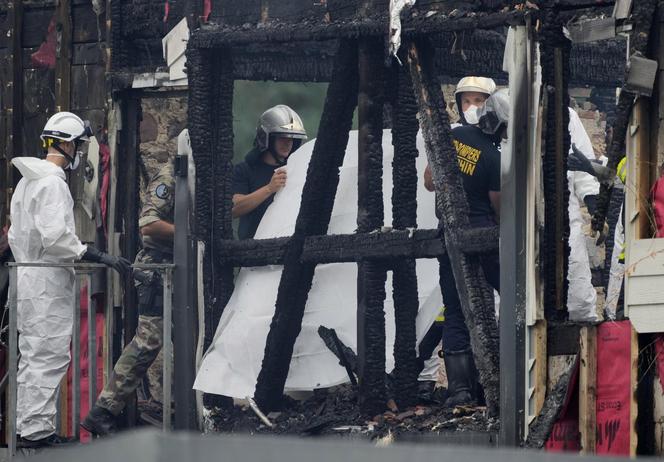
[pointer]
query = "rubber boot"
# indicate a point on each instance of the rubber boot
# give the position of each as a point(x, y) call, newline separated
point(100, 422)
point(49, 441)
point(461, 378)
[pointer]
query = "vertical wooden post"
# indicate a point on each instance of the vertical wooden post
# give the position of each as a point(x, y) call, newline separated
point(634, 382)
point(588, 388)
point(561, 192)
point(371, 275)
point(63, 50)
point(15, 104)
point(313, 219)
point(404, 215)
point(476, 298)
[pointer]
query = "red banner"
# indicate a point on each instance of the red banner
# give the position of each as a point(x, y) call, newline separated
point(613, 388)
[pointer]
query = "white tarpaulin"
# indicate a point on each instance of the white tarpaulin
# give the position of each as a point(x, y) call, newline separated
point(231, 365)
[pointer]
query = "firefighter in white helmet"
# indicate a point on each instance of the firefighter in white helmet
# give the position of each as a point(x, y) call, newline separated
point(43, 230)
point(470, 94)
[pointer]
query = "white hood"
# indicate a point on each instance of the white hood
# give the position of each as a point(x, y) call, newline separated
point(33, 168)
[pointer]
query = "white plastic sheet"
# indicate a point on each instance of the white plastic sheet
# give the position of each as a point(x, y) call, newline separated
point(231, 365)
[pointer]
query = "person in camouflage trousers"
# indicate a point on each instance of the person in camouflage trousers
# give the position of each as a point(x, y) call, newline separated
point(157, 231)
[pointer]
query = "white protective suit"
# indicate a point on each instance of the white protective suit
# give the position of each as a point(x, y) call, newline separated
point(231, 365)
point(617, 271)
point(42, 230)
point(581, 295)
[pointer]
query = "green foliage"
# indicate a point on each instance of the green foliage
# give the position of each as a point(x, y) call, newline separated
point(251, 99)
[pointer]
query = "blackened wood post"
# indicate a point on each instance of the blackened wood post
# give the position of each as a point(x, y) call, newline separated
point(476, 297)
point(371, 274)
point(313, 219)
point(210, 114)
point(404, 215)
point(555, 236)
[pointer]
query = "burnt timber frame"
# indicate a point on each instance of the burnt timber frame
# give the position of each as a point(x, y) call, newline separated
point(373, 252)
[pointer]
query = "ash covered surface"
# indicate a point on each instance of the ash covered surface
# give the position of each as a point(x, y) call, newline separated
point(336, 412)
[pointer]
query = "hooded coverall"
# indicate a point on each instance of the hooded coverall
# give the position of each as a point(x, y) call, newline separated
point(42, 230)
point(581, 295)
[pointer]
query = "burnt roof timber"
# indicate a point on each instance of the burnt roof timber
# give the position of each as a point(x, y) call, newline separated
point(216, 36)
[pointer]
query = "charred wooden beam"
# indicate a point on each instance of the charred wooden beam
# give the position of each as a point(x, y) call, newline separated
point(391, 245)
point(210, 112)
point(346, 248)
point(371, 274)
point(541, 427)
point(404, 215)
point(313, 219)
point(555, 237)
point(643, 14)
point(476, 297)
point(215, 36)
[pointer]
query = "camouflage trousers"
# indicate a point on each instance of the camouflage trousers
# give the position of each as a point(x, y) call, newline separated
point(130, 369)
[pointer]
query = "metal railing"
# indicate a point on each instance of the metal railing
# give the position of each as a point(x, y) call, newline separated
point(84, 271)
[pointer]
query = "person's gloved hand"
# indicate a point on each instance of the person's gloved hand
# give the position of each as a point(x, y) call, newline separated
point(578, 162)
point(591, 203)
point(601, 238)
point(119, 264)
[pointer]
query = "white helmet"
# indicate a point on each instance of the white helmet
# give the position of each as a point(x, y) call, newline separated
point(495, 113)
point(66, 126)
point(282, 121)
point(475, 84)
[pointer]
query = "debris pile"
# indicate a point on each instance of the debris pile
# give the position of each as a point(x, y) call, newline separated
point(335, 412)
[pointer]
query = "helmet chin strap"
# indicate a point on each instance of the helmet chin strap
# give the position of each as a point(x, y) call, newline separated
point(62, 151)
point(278, 160)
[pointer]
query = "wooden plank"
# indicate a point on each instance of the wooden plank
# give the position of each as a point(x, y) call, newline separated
point(15, 105)
point(63, 57)
point(588, 389)
point(64, 411)
point(88, 53)
point(633, 404)
point(644, 228)
point(647, 319)
point(35, 26)
point(87, 26)
point(537, 368)
point(87, 89)
point(38, 104)
point(556, 367)
point(646, 257)
point(646, 290)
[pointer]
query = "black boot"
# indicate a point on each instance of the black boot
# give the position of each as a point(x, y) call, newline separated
point(461, 378)
point(100, 422)
point(49, 441)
